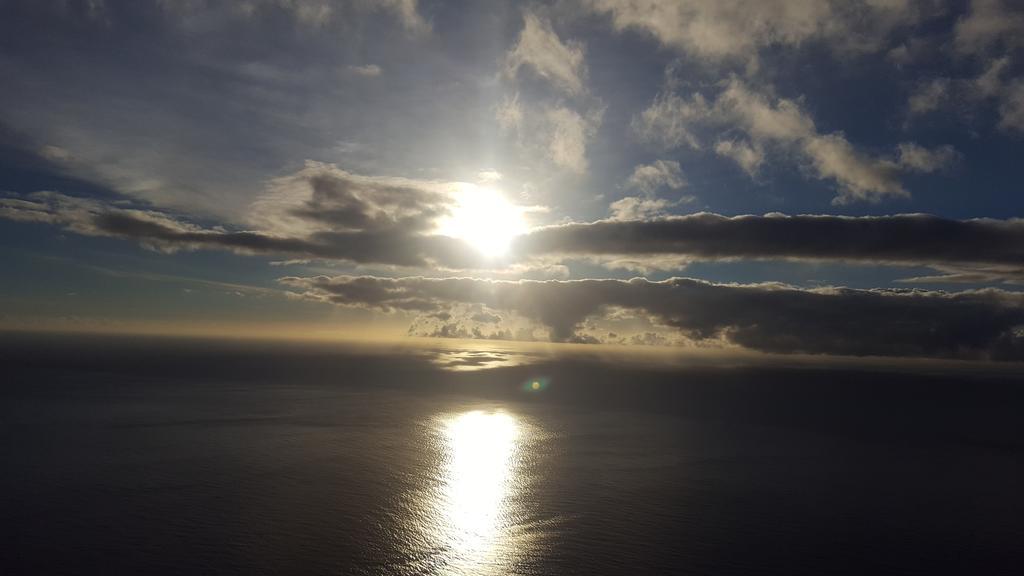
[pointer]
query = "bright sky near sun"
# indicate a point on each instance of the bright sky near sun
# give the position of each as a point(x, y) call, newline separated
point(485, 219)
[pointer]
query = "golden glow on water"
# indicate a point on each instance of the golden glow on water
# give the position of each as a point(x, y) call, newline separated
point(474, 505)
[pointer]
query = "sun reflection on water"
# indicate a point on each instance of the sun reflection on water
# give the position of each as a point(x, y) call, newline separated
point(474, 503)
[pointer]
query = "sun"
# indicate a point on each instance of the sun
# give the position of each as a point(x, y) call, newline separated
point(485, 219)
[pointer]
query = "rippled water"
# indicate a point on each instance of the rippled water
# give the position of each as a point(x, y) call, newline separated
point(229, 461)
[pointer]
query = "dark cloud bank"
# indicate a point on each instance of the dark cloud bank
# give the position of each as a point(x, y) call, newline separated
point(977, 324)
point(900, 239)
point(370, 222)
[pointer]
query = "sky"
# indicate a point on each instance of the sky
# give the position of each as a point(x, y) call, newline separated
point(783, 177)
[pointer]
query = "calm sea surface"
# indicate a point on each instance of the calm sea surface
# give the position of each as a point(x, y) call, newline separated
point(157, 457)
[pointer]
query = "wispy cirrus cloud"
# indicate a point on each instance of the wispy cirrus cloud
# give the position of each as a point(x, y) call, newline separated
point(541, 50)
point(766, 122)
point(561, 127)
point(648, 178)
point(719, 30)
point(989, 35)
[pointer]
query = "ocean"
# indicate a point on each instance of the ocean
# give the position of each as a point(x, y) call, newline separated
point(171, 456)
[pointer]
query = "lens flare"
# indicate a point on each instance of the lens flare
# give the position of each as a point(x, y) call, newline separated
point(537, 384)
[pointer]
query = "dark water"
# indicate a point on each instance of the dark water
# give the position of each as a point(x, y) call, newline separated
point(162, 457)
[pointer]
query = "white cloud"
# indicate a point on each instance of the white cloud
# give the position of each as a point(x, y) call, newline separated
point(860, 177)
point(554, 132)
point(780, 122)
point(719, 28)
point(989, 23)
point(929, 96)
point(1011, 107)
point(988, 86)
point(509, 113)
point(312, 13)
point(667, 121)
point(990, 82)
point(56, 154)
point(366, 70)
point(900, 55)
point(407, 12)
point(749, 157)
point(555, 125)
point(1009, 96)
point(722, 29)
point(636, 208)
point(489, 176)
point(648, 178)
point(540, 48)
point(920, 159)
point(993, 27)
point(568, 136)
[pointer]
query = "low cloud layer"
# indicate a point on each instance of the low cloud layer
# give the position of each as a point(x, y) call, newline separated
point(771, 318)
point(322, 212)
point(319, 212)
point(912, 239)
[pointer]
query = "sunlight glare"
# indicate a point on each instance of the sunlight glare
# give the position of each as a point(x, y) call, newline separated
point(480, 474)
point(485, 219)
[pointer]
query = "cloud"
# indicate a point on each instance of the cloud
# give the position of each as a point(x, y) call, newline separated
point(929, 96)
point(539, 48)
point(748, 156)
point(489, 176)
point(919, 159)
point(315, 13)
point(568, 134)
point(636, 208)
point(366, 70)
point(648, 178)
point(988, 24)
point(989, 83)
point(407, 12)
point(322, 197)
point(988, 86)
point(990, 32)
point(911, 51)
point(719, 30)
point(486, 318)
point(322, 212)
point(473, 321)
point(509, 113)
point(774, 318)
point(668, 121)
point(910, 239)
point(202, 138)
point(1011, 107)
point(783, 123)
point(555, 128)
point(319, 212)
point(971, 274)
